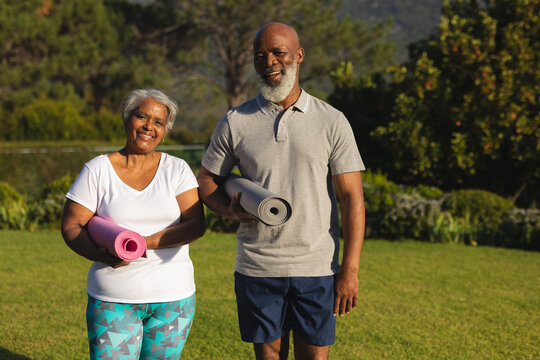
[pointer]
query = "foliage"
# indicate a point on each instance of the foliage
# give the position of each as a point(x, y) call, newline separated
point(8, 194)
point(488, 208)
point(464, 111)
point(50, 120)
point(218, 223)
point(210, 42)
point(521, 228)
point(17, 216)
point(48, 210)
point(456, 230)
point(62, 61)
point(427, 192)
point(378, 199)
point(14, 211)
point(411, 217)
point(412, 20)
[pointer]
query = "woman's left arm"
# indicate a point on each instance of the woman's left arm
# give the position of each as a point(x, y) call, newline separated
point(191, 227)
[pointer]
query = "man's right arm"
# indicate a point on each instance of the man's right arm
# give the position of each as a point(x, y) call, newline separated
point(212, 195)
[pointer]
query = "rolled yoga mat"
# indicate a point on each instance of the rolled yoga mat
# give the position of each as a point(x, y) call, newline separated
point(126, 244)
point(268, 207)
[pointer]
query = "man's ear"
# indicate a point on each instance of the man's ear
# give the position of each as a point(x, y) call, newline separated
point(299, 55)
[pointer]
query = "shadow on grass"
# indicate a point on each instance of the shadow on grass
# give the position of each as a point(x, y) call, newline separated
point(5, 354)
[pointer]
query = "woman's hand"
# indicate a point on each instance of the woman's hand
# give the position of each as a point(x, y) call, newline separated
point(190, 228)
point(110, 259)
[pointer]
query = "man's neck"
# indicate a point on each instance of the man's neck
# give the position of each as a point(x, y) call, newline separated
point(291, 98)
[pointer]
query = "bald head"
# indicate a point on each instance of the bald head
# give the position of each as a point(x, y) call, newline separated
point(279, 29)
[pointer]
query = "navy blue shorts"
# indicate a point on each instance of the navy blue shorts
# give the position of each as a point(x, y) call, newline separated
point(269, 308)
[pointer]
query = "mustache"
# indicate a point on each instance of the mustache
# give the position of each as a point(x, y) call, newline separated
point(269, 70)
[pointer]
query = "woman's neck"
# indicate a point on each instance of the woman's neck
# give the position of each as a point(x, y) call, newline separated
point(132, 159)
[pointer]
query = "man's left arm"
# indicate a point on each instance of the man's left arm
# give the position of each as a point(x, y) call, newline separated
point(351, 197)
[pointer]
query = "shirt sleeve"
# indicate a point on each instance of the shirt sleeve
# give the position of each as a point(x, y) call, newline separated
point(345, 156)
point(187, 179)
point(84, 190)
point(219, 158)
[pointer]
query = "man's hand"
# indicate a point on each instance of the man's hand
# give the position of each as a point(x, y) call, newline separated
point(237, 212)
point(346, 292)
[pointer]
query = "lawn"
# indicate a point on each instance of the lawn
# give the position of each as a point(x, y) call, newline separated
point(417, 301)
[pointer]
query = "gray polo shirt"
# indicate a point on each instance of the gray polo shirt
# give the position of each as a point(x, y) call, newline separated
point(293, 153)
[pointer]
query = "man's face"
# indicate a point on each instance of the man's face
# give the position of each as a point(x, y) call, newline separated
point(273, 51)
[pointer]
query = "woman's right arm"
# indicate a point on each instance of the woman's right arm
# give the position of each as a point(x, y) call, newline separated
point(74, 219)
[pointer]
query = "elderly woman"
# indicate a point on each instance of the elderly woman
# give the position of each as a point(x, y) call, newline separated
point(143, 308)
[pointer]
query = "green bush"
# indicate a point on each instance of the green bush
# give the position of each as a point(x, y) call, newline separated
point(48, 210)
point(427, 192)
point(104, 125)
point(8, 194)
point(411, 217)
point(486, 207)
point(447, 229)
point(378, 199)
point(17, 216)
point(218, 223)
point(521, 229)
point(48, 119)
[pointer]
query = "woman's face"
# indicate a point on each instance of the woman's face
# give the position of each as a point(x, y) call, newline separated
point(146, 126)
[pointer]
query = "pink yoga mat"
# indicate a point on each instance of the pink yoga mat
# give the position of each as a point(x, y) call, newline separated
point(126, 244)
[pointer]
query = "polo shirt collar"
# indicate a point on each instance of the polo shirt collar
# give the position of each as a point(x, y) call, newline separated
point(266, 106)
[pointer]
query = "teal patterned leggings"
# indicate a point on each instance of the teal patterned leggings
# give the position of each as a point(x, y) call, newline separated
point(138, 331)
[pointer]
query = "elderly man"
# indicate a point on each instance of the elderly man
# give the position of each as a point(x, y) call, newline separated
point(288, 277)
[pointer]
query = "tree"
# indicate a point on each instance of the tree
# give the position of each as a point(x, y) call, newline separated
point(464, 109)
point(221, 35)
point(65, 67)
point(69, 50)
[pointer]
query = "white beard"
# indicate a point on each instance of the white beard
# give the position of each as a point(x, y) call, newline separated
point(279, 92)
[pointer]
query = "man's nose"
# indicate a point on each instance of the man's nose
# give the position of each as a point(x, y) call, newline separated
point(270, 60)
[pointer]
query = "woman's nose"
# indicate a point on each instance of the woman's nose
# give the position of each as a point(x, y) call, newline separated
point(148, 125)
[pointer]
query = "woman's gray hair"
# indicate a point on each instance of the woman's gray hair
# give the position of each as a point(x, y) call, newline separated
point(132, 101)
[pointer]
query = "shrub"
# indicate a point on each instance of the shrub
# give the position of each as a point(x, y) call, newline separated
point(487, 208)
point(103, 125)
point(412, 216)
point(521, 229)
point(14, 212)
point(447, 229)
point(427, 192)
point(378, 200)
point(48, 119)
point(8, 194)
point(48, 210)
point(16, 216)
point(218, 223)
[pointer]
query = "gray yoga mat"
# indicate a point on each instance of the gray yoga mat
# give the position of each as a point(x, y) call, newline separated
point(266, 206)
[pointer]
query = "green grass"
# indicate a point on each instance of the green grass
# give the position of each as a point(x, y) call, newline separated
point(417, 301)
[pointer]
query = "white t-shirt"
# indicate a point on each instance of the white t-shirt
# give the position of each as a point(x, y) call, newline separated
point(165, 274)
